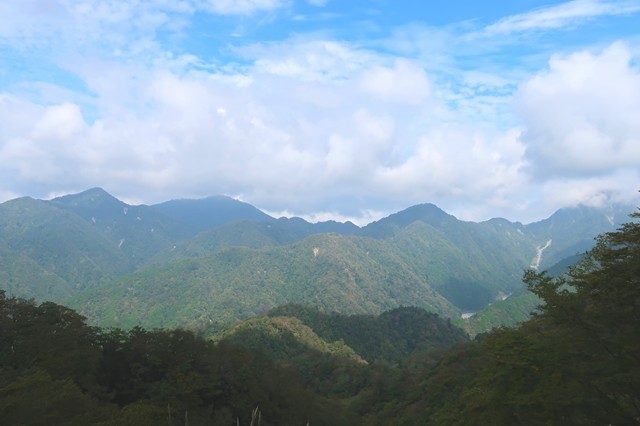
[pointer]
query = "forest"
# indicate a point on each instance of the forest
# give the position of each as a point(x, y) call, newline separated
point(574, 362)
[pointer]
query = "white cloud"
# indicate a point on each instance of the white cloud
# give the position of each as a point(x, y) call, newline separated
point(120, 28)
point(240, 7)
point(363, 218)
point(455, 160)
point(581, 115)
point(367, 134)
point(562, 15)
point(310, 59)
point(405, 82)
point(313, 124)
point(618, 187)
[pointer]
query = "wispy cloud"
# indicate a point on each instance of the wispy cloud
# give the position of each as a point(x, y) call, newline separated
point(155, 97)
point(241, 7)
point(562, 15)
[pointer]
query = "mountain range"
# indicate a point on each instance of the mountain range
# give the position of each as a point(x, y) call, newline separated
point(207, 263)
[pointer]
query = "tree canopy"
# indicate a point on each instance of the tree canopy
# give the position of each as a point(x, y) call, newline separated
point(575, 362)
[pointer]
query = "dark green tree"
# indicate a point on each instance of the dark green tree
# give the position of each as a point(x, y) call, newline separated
point(575, 362)
point(593, 314)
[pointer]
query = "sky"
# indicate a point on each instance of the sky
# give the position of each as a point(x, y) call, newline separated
point(325, 109)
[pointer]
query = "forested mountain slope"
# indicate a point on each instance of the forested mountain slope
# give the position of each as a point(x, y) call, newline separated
point(53, 248)
point(210, 212)
point(330, 271)
point(574, 362)
point(164, 265)
point(139, 232)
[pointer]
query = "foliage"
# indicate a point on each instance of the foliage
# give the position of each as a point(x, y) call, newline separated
point(125, 265)
point(509, 312)
point(332, 272)
point(574, 362)
point(83, 375)
point(138, 232)
point(327, 350)
point(391, 336)
point(61, 248)
point(284, 339)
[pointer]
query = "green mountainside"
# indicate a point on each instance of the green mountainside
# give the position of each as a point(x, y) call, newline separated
point(285, 339)
point(207, 213)
point(139, 232)
point(469, 264)
point(572, 230)
point(330, 271)
point(68, 251)
point(573, 362)
point(514, 308)
point(80, 375)
point(344, 356)
point(19, 274)
point(391, 336)
point(164, 265)
point(250, 233)
point(503, 313)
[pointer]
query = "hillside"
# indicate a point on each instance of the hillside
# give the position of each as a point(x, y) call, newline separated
point(252, 234)
point(286, 339)
point(165, 265)
point(573, 230)
point(405, 366)
point(210, 212)
point(139, 232)
point(573, 363)
point(344, 356)
point(392, 336)
point(514, 308)
point(53, 246)
point(81, 375)
point(333, 272)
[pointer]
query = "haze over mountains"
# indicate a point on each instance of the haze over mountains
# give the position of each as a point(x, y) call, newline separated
point(209, 262)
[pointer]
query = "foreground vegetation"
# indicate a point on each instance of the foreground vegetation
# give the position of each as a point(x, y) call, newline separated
point(57, 370)
point(574, 362)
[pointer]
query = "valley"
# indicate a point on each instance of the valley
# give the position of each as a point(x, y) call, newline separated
point(205, 264)
point(190, 317)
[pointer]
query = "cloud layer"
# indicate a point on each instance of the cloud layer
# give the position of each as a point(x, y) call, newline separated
point(312, 124)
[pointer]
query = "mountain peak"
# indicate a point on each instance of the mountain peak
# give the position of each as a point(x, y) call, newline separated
point(210, 212)
point(427, 213)
point(426, 210)
point(90, 196)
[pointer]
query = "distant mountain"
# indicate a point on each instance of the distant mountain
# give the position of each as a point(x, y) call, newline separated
point(57, 247)
point(425, 213)
point(333, 272)
point(139, 232)
point(514, 308)
point(572, 230)
point(19, 274)
point(252, 234)
point(217, 260)
point(470, 264)
point(207, 213)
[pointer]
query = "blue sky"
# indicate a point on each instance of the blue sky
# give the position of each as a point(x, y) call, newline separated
point(324, 108)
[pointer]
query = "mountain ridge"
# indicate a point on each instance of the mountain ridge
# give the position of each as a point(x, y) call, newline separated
point(91, 246)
